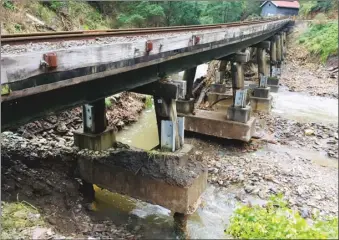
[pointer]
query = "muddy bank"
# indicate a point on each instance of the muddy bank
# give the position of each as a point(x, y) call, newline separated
point(304, 73)
point(48, 180)
point(122, 109)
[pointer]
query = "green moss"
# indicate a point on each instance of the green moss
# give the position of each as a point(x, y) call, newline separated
point(277, 221)
point(17, 216)
point(149, 101)
point(108, 102)
point(321, 39)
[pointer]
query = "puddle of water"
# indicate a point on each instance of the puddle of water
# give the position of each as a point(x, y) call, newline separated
point(305, 108)
point(316, 157)
point(143, 134)
point(152, 221)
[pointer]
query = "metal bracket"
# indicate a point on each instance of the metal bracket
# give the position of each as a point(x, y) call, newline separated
point(182, 89)
point(263, 81)
point(88, 116)
point(168, 133)
point(49, 61)
point(149, 46)
point(240, 98)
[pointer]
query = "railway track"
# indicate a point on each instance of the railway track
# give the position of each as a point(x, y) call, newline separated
point(14, 39)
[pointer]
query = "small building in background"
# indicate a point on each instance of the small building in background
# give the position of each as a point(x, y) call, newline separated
point(280, 8)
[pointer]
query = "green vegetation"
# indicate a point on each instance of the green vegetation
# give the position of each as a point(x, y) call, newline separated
point(321, 39)
point(8, 5)
point(16, 217)
point(108, 102)
point(148, 101)
point(71, 15)
point(309, 8)
point(277, 221)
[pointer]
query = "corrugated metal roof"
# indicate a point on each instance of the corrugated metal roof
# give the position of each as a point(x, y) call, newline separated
point(284, 4)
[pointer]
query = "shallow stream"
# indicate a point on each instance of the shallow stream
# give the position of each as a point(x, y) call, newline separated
point(211, 218)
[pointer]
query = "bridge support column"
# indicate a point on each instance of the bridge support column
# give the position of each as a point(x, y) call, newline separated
point(273, 80)
point(218, 89)
point(186, 104)
point(170, 126)
point(94, 135)
point(221, 73)
point(279, 54)
point(261, 99)
point(189, 75)
point(239, 111)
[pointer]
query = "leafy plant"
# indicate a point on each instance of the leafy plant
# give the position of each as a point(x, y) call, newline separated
point(108, 102)
point(8, 5)
point(277, 221)
point(18, 27)
point(321, 39)
point(149, 102)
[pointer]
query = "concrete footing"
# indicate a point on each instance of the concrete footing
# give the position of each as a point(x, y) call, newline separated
point(273, 83)
point(171, 180)
point(261, 92)
point(215, 124)
point(96, 142)
point(185, 106)
point(239, 114)
point(261, 104)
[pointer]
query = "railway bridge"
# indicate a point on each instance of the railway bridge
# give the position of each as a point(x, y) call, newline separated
point(83, 67)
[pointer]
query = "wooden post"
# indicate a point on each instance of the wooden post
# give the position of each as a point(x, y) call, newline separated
point(165, 109)
point(189, 76)
point(261, 59)
point(273, 56)
point(94, 117)
point(237, 69)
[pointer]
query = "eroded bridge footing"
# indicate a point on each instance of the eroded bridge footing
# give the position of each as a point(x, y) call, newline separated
point(237, 122)
point(168, 176)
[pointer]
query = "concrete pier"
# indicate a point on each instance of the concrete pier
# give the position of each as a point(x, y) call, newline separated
point(171, 180)
point(216, 124)
point(189, 75)
point(261, 99)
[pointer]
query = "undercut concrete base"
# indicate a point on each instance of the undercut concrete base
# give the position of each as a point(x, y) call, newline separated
point(215, 124)
point(96, 142)
point(261, 104)
point(171, 180)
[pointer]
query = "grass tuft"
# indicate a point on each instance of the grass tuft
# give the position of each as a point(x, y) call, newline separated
point(277, 221)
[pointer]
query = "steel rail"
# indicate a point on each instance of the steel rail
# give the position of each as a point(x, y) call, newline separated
point(13, 39)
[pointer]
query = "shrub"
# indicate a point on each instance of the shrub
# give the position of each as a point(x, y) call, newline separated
point(321, 39)
point(277, 221)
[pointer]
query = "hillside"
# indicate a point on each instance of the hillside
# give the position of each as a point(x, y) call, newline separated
point(31, 16)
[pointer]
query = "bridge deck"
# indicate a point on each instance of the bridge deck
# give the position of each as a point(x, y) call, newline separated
point(86, 73)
